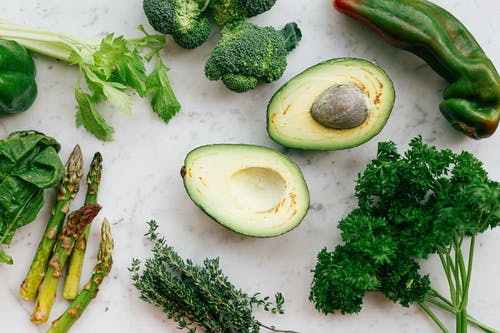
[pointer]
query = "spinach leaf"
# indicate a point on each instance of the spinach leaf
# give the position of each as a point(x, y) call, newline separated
point(29, 164)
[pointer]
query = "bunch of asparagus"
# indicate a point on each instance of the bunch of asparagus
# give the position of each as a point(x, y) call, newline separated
point(64, 243)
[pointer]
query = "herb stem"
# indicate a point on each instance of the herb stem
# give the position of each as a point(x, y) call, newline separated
point(445, 262)
point(434, 318)
point(469, 272)
point(276, 330)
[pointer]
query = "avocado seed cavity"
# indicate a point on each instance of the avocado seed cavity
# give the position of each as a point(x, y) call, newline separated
point(341, 106)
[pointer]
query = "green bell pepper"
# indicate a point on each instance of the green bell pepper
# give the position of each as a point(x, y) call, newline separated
point(18, 88)
point(472, 100)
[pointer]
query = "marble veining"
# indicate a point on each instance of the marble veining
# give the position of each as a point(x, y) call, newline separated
point(141, 168)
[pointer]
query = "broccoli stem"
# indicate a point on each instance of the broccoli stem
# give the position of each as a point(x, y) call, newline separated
point(74, 272)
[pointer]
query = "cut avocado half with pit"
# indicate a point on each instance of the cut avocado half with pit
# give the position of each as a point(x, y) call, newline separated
point(252, 190)
point(337, 104)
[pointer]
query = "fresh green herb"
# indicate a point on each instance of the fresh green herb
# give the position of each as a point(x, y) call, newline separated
point(409, 207)
point(75, 264)
point(88, 293)
point(109, 69)
point(29, 164)
point(197, 296)
point(162, 96)
point(75, 225)
point(67, 190)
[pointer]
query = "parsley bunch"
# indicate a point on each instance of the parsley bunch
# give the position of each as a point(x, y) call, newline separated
point(110, 69)
point(198, 296)
point(410, 206)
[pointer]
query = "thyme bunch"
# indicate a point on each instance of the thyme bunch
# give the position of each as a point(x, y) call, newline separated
point(198, 296)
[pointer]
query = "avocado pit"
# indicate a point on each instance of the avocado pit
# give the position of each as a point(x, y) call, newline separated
point(341, 106)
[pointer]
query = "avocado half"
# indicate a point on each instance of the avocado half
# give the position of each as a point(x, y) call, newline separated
point(290, 121)
point(252, 190)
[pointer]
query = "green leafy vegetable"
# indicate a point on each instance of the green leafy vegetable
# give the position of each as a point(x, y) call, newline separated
point(410, 206)
point(197, 295)
point(110, 68)
point(162, 96)
point(29, 164)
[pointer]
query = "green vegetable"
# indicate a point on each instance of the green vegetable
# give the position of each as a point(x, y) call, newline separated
point(197, 295)
point(29, 164)
point(264, 192)
point(185, 20)
point(75, 225)
point(73, 274)
point(68, 188)
point(472, 100)
point(410, 206)
point(89, 291)
point(336, 90)
point(110, 68)
point(227, 11)
point(18, 88)
point(247, 53)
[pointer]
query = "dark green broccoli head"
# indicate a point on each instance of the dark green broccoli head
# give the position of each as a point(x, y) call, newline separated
point(226, 11)
point(183, 19)
point(256, 7)
point(247, 53)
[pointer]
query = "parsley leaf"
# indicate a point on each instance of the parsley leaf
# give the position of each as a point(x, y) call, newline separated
point(410, 206)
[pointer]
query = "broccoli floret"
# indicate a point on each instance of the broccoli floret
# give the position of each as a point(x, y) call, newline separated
point(183, 19)
point(247, 53)
point(226, 11)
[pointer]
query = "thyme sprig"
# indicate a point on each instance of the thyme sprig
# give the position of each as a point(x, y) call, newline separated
point(198, 296)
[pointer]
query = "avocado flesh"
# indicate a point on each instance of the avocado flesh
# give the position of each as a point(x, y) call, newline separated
point(252, 190)
point(289, 120)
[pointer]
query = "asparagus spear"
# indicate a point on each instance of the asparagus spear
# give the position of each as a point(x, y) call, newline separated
point(68, 188)
point(89, 291)
point(72, 280)
point(76, 222)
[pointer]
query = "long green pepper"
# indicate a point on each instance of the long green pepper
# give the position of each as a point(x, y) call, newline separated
point(68, 188)
point(472, 100)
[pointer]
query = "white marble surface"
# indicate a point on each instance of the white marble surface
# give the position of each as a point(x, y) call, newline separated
point(141, 168)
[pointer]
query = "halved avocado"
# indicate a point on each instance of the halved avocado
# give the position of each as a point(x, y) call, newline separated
point(337, 104)
point(252, 190)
